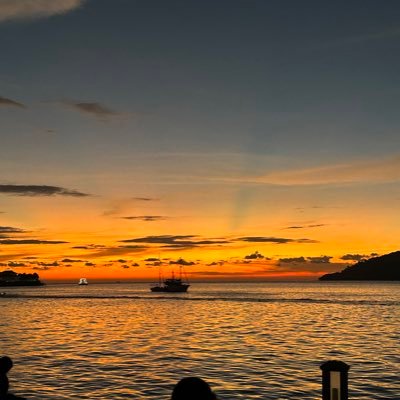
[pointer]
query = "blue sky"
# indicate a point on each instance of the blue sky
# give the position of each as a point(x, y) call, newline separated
point(269, 77)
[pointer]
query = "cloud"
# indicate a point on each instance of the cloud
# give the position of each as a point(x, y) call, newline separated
point(154, 264)
point(39, 190)
point(176, 241)
point(147, 218)
point(378, 170)
point(4, 101)
point(276, 240)
point(30, 241)
point(357, 257)
point(320, 260)
point(305, 226)
point(181, 261)
point(31, 9)
point(93, 109)
point(10, 229)
point(70, 260)
point(90, 264)
point(10, 257)
point(49, 264)
point(132, 246)
point(293, 260)
point(90, 247)
point(151, 259)
point(254, 256)
point(124, 205)
point(301, 259)
point(217, 273)
point(16, 264)
point(144, 199)
point(115, 251)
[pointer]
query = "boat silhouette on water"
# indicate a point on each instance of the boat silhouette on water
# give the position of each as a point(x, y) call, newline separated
point(171, 285)
point(83, 282)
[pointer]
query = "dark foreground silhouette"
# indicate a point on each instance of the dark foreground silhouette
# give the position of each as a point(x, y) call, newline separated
point(11, 278)
point(192, 389)
point(5, 365)
point(383, 268)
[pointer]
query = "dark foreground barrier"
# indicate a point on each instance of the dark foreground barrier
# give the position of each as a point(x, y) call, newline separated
point(335, 380)
point(334, 383)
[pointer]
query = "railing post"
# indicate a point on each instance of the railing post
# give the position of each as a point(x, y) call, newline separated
point(335, 380)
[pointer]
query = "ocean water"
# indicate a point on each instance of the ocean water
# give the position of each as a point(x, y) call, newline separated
point(248, 340)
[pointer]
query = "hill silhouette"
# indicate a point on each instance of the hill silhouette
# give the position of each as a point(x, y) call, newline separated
point(11, 278)
point(382, 268)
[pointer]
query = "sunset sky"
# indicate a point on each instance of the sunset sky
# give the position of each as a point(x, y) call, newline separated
point(244, 139)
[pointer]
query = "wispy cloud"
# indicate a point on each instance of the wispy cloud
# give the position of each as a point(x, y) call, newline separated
point(30, 241)
point(94, 109)
point(39, 190)
point(357, 257)
point(302, 259)
point(378, 170)
point(176, 241)
point(4, 101)
point(118, 250)
point(293, 260)
point(305, 226)
point(147, 218)
point(181, 261)
point(275, 240)
point(144, 199)
point(90, 247)
point(11, 229)
point(30, 9)
point(320, 259)
point(123, 206)
point(254, 256)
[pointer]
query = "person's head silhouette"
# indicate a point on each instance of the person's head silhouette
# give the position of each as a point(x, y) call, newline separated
point(192, 389)
point(5, 364)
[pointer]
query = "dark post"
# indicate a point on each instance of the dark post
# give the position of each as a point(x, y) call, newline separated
point(335, 380)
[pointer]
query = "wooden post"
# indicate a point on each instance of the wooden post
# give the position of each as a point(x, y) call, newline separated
point(335, 380)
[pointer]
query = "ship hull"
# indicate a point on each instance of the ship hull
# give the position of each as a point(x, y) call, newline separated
point(170, 289)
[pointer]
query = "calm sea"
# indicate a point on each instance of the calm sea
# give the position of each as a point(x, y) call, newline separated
point(248, 340)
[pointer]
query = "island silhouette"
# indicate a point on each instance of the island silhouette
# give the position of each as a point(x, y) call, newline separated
point(382, 268)
point(11, 278)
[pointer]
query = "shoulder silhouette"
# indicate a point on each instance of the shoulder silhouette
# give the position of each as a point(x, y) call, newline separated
point(5, 365)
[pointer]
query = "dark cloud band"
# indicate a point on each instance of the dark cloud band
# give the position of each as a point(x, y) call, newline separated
point(39, 190)
point(31, 241)
point(94, 109)
point(4, 101)
point(276, 240)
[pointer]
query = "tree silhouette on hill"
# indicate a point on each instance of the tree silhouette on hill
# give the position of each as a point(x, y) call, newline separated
point(382, 268)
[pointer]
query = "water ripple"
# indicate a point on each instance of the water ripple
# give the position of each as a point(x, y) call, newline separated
point(250, 341)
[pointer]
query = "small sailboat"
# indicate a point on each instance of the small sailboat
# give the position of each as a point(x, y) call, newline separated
point(83, 282)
